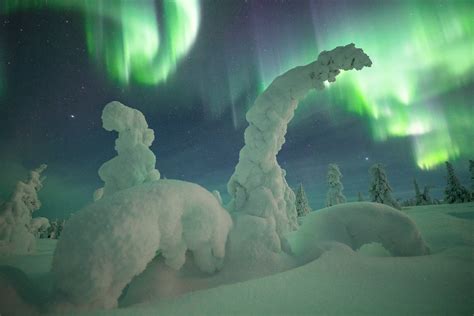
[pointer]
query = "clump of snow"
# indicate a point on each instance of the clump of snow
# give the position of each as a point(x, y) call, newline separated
point(16, 233)
point(356, 224)
point(258, 187)
point(335, 187)
point(109, 242)
point(135, 162)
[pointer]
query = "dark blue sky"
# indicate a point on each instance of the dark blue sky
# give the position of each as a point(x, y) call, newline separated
point(48, 77)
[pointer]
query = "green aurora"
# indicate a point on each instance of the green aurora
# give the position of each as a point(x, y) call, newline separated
point(407, 93)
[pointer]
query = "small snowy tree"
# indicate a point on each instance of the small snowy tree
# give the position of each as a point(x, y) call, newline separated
point(335, 187)
point(427, 196)
point(16, 235)
point(302, 205)
point(360, 197)
point(418, 197)
point(471, 170)
point(380, 190)
point(455, 192)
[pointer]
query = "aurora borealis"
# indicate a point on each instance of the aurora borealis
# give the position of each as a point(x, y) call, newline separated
point(128, 37)
point(195, 67)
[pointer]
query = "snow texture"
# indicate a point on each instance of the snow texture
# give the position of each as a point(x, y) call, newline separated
point(111, 241)
point(258, 187)
point(380, 190)
point(335, 187)
point(455, 192)
point(356, 224)
point(16, 235)
point(135, 162)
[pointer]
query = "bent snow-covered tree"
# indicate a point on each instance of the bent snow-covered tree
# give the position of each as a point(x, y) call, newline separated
point(258, 188)
point(335, 187)
point(380, 190)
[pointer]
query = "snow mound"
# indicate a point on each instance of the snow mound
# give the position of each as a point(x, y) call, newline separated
point(110, 241)
point(135, 162)
point(356, 224)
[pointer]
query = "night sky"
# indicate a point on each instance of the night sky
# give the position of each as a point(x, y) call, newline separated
point(195, 70)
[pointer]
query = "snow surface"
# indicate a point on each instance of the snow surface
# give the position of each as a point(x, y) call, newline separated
point(258, 187)
point(111, 241)
point(340, 282)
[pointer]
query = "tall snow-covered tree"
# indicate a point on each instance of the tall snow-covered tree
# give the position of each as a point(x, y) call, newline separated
point(427, 196)
point(302, 205)
point(16, 215)
point(335, 187)
point(455, 192)
point(380, 190)
point(471, 170)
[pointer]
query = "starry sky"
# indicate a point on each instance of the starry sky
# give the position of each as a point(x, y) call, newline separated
point(194, 68)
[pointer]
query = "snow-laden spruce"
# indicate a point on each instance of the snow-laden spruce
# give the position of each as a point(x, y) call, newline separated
point(39, 226)
point(302, 204)
point(135, 162)
point(454, 192)
point(380, 190)
point(16, 234)
point(335, 187)
point(258, 188)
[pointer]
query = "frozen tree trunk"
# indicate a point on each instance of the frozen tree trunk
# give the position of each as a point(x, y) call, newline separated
point(16, 235)
point(258, 187)
point(380, 190)
point(302, 205)
point(455, 192)
point(335, 187)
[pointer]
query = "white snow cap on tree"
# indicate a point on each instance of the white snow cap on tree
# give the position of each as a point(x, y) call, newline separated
point(258, 187)
point(39, 225)
point(110, 241)
point(16, 216)
point(335, 187)
point(380, 190)
point(135, 162)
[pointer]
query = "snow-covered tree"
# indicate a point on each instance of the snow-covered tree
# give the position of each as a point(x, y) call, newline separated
point(135, 162)
point(302, 205)
point(418, 197)
point(335, 187)
point(471, 170)
point(39, 226)
point(455, 192)
point(360, 197)
point(260, 195)
point(380, 190)
point(427, 195)
point(16, 235)
point(422, 198)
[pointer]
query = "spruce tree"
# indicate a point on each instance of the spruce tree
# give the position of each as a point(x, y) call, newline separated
point(455, 192)
point(379, 189)
point(335, 187)
point(418, 196)
point(302, 205)
point(471, 170)
point(360, 197)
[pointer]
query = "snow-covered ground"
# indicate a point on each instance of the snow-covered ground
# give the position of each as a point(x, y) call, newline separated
point(340, 282)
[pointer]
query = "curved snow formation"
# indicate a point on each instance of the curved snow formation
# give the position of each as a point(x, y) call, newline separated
point(112, 240)
point(356, 224)
point(258, 187)
point(135, 162)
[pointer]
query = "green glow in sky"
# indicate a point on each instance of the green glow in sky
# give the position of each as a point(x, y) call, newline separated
point(422, 57)
point(129, 38)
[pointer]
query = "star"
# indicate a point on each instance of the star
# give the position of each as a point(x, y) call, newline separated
point(366, 158)
point(72, 116)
